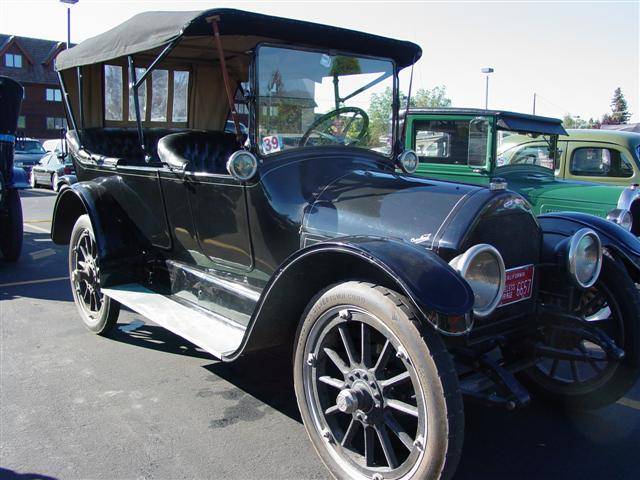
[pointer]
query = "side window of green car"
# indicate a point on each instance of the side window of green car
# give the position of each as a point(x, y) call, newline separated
point(451, 142)
point(600, 162)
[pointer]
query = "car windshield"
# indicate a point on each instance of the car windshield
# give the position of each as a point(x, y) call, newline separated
point(310, 98)
point(29, 146)
point(524, 149)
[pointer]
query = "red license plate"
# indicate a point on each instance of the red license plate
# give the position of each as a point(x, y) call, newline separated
point(518, 285)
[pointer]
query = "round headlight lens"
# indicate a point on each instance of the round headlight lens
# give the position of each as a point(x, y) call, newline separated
point(621, 217)
point(408, 161)
point(483, 268)
point(585, 257)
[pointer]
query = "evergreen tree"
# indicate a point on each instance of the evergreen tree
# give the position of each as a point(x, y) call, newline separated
point(619, 109)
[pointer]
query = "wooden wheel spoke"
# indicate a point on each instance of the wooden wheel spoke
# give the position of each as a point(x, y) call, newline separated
point(397, 429)
point(397, 380)
point(385, 355)
point(347, 342)
point(333, 382)
point(554, 367)
point(403, 407)
point(365, 345)
point(350, 434)
point(589, 358)
point(337, 361)
point(387, 447)
point(368, 446)
point(574, 371)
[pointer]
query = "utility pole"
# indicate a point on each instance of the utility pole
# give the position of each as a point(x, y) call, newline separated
point(487, 71)
point(534, 103)
point(69, 3)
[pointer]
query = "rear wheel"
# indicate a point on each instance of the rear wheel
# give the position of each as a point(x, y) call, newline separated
point(377, 390)
point(595, 380)
point(11, 230)
point(99, 313)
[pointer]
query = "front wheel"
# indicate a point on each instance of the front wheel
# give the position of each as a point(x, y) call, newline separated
point(376, 388)
point(594, 380)
point(11, 228)
point(99, 313)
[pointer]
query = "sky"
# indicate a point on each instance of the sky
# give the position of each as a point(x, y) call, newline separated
point(571, 54)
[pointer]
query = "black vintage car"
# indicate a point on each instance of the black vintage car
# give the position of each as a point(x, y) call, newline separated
point(397, 294)
point(11, 178)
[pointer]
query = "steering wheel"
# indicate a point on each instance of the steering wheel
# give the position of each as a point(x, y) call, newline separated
point(333, 127)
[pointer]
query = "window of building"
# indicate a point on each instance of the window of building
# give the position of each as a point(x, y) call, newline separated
point(56, 123)
point(54, 95)
point(22, 122)
point(600, 162)
point(13, 60)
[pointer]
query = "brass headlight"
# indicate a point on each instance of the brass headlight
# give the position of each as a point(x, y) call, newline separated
point(584, 257)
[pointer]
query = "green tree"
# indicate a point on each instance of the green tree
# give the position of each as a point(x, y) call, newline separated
point(380, 107)
point(619, 109)
point(434, 98)
point(569, 121)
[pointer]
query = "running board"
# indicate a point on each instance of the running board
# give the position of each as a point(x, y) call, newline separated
point(209, 331)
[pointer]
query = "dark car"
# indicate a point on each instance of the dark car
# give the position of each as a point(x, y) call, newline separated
point(11, 177)
point(397, 294)
point(48, 171)
point(28, 152)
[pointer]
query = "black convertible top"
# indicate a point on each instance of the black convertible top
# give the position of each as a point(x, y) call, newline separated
point(150, 30)
point(511, 121)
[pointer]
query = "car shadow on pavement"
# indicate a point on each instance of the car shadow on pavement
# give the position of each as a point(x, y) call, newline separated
point(6, 474)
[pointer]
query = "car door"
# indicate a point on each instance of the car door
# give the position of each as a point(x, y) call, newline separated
point(219, 209)
point(600, 162)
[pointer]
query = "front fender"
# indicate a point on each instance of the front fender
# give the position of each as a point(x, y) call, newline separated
point(619, 242)
point(119, 245)
point(427, 280)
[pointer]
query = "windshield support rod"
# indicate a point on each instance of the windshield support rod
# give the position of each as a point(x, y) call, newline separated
point(158, 59)
point(367, 86)
point(136, 104)
point(80, 94)
point(225, 75)
point(406, 112)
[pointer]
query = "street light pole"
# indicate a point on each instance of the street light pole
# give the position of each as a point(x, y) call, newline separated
point(69, 3)
point(487, 71)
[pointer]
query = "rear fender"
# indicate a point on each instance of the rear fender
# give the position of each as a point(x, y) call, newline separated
point(427, 280)
point(622, 245)
point(119, 245)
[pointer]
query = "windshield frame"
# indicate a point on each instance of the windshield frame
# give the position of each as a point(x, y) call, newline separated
point(255, 95)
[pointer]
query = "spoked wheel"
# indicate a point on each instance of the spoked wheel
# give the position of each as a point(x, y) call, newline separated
point(592, 378)
point(99, 313)
point(371, 387)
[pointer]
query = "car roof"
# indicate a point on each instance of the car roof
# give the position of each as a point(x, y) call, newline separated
point(511, 121)
point(630, 139)
point(153, 30)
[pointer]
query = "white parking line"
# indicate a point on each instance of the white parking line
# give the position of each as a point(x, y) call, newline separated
point(628, 402)
point(35, 227)
point(33, 282)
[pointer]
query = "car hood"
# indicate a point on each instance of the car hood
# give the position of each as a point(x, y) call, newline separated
point(385, 204)
point(540, 187)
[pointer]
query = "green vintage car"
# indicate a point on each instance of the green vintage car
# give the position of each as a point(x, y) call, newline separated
point(480, 146)
point(602, 156)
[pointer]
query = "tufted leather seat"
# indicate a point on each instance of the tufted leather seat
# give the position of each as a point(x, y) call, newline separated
point(122, 143)
point(198, 151)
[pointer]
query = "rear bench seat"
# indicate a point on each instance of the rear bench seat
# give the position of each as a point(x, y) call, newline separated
point(198, 151)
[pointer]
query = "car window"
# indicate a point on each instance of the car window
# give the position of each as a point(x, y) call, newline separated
point(451, 142)
point(600, 162)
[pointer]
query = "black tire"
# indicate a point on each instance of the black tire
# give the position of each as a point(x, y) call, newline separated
point(11, 230)
point(623, 326)
point(99, 313)
point(433, 373)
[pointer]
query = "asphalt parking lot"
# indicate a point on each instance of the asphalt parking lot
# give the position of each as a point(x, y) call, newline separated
point(145, 404)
